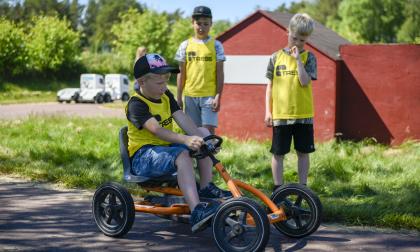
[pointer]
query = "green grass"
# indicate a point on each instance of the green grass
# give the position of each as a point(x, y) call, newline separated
point(40, 90)
point(359, 183)
point(32, 90)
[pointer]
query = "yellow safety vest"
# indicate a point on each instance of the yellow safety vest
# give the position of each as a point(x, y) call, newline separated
point(138, 138)
point(200, 69)
point(291, 100)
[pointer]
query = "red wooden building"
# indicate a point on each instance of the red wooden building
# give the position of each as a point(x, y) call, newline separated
point(248, 46)
point(380, 92)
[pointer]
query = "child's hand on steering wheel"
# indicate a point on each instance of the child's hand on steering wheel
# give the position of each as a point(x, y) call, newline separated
point(194, 142)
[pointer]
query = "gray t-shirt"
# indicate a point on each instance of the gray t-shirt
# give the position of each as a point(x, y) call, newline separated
point(180, 55)
point(311, 69)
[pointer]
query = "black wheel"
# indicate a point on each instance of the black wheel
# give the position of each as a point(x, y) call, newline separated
point(107, 98)
point(99, 98)
point(75, 97)
point(125, 97)
point(303, 210)
point(233, 229)
point(68, 101)
point(113, 209)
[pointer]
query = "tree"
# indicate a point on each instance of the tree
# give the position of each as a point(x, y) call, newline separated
point(181, 30)
point(149, 29)
point(295, 7)
point(370, 20)
point(219, 27)
point(52, 44)
point(409, 31)
point(12, 48)
point(106, 13)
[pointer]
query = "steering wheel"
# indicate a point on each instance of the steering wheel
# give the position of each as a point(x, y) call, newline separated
point(211, 145)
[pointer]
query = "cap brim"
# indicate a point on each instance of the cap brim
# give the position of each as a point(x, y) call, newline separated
point(202, 15)
point(163, 70)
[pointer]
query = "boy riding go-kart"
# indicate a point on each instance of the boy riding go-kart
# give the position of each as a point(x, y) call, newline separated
point(152, 153)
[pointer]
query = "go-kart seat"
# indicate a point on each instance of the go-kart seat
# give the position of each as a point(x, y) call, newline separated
point(170, 180)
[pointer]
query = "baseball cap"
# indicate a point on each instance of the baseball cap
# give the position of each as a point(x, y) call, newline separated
point(202, 11)
point(152, 63)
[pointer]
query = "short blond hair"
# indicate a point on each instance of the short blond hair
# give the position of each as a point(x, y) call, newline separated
point(141, 51)
point(302, 24)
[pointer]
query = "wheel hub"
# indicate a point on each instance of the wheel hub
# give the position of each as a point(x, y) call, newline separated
point(108, 210)
point(238, 229)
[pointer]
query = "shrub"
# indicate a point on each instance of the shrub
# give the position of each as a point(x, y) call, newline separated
point(12, 48)
point(52, 44)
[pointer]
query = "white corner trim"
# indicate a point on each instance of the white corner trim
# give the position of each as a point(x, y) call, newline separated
point(246, 69)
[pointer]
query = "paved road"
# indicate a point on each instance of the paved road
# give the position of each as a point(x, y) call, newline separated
point(39, 217)
point(14, 111)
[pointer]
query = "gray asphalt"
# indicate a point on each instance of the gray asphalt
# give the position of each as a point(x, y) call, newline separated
point(42, 217)
point(19, 111)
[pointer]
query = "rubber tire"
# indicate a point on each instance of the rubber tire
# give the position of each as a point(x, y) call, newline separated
point(313, 202)
point(260, 218)
point(99, 99)
point(125, 97)
point(75, 98)
point(107, 98)
point(125, 207)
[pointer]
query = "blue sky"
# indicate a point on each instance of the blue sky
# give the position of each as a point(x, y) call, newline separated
point(232, 10)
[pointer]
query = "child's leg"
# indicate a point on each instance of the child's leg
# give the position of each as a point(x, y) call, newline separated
point(208, 116)
point(304, 144)
point(210, 128)
point(205, 165)
point(303, 167)
point(186, 179)
point(277, 169)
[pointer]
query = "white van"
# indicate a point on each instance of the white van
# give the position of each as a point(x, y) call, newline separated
point(116, 87)
point(92, 88)
point(68, 95)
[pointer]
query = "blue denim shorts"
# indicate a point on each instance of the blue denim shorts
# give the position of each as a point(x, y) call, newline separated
point(154, 161)
point(200, 110)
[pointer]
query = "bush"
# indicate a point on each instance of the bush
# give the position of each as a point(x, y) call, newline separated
point(149, 29)
point(12, 48)
point(52, 45)
point(105, 63)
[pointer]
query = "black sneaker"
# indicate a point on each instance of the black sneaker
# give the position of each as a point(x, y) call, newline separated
point(213, 192)
point(201, 215)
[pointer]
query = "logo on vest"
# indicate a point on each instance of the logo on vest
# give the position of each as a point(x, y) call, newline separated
point(165, 122)
point(192, 56)
point(281, 71)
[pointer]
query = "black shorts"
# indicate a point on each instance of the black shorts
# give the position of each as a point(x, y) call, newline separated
point(303, 138)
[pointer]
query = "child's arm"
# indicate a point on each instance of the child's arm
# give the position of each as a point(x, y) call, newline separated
point(193, 142)
point(180, 82)
point(268, 105)
point(186, 123)
point(220, 79)
point(304, 77)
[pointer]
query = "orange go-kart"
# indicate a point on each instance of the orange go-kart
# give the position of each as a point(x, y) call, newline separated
point(239, 224)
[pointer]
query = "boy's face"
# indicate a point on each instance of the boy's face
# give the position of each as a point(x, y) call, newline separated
point(296, 39)
point(201, 27)
point(154, 85)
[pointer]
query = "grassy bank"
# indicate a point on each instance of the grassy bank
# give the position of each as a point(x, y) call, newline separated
point(43, 90)
point(32, 90)
point(359, 183)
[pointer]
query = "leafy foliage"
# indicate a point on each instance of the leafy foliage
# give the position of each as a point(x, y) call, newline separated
point(12, 48)
point(148, 29)
point(51, 44)
point(370, 20)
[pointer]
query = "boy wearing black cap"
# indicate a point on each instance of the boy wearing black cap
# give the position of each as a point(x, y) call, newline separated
point(156, 150)
point(201, 72)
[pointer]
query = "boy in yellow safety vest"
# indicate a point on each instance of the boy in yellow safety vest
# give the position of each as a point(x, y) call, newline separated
point(201, 72)
point(156, 150)
point(289, 103)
